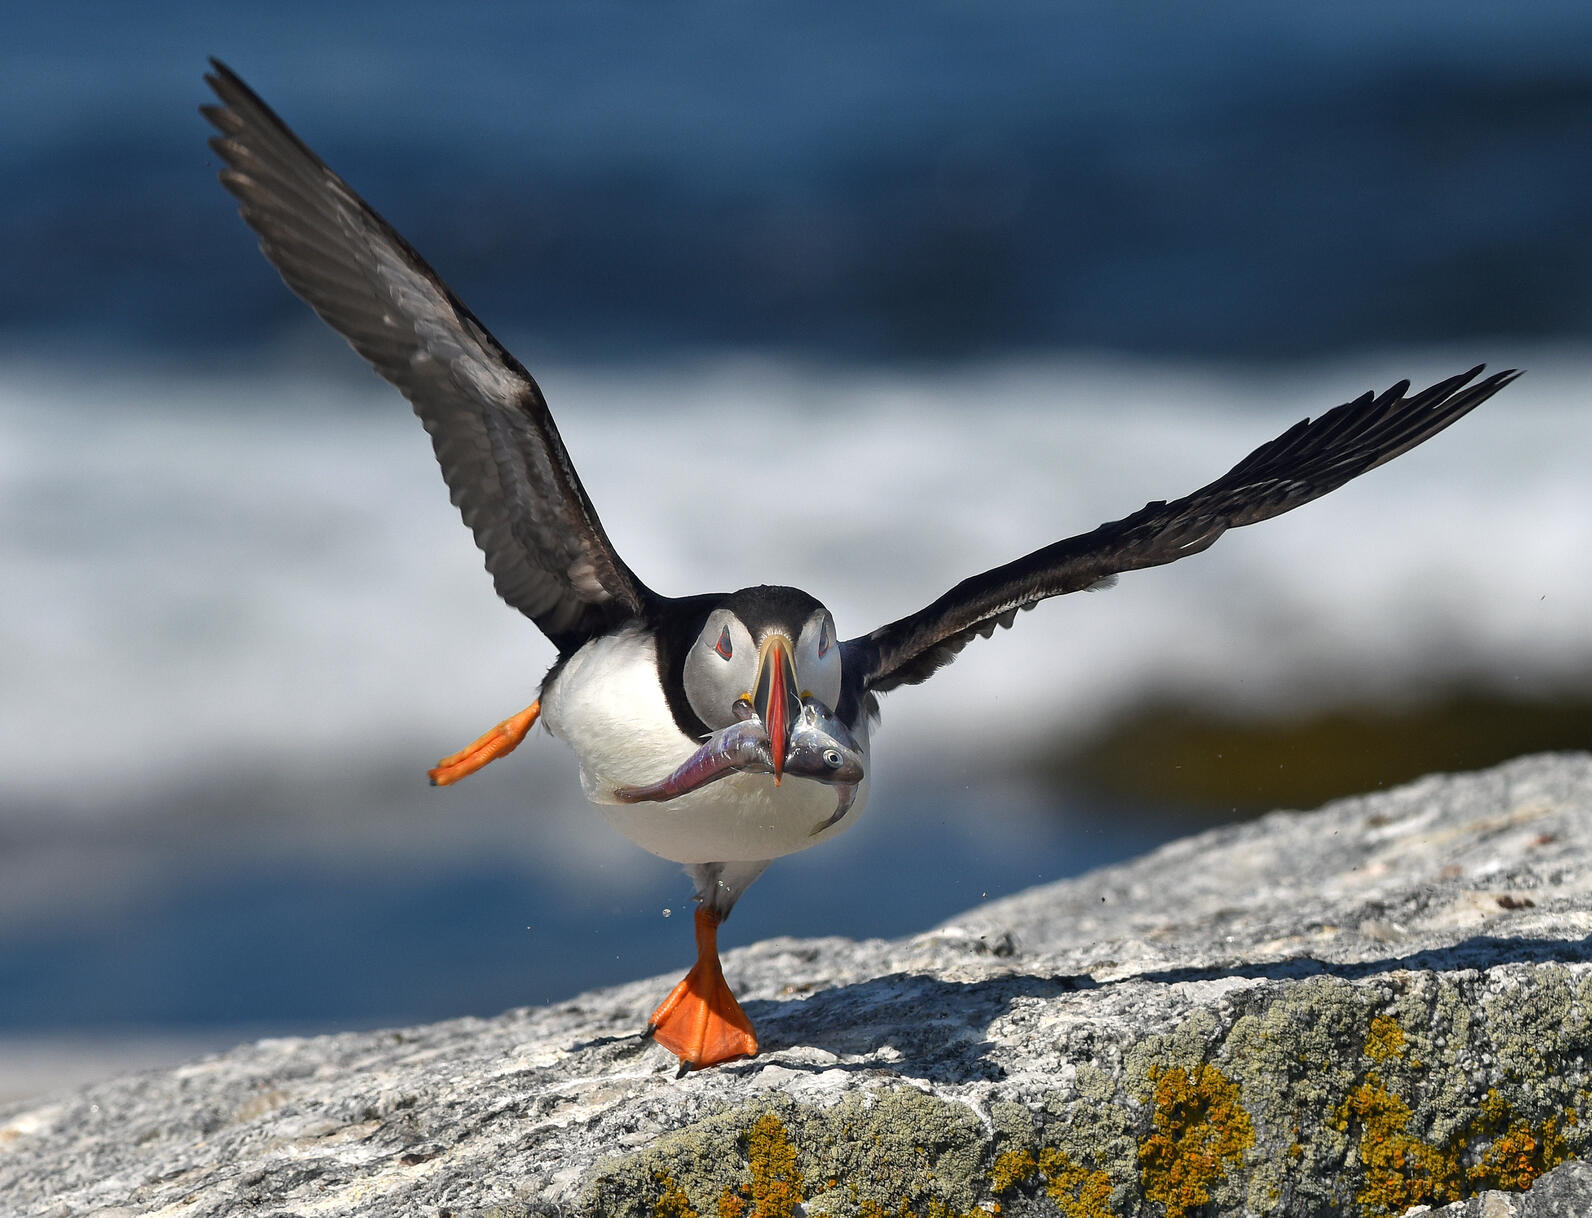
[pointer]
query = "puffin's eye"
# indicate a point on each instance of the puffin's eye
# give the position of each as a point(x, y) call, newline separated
point(824, 641)
point(723, 646)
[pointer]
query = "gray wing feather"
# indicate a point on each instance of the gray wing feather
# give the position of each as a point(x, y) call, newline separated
point(1305, 462)
point(506, 467)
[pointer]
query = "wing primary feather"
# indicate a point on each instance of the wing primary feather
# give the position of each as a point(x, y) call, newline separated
point(1308, 460)
point(505, 464)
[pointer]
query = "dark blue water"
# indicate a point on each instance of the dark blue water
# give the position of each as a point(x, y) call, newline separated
point(268, 938)
point(900, 181)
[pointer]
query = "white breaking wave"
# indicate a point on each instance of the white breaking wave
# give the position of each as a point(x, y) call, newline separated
point(209, 573)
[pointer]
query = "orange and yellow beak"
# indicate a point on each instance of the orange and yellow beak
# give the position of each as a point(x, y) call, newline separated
point(776, 697)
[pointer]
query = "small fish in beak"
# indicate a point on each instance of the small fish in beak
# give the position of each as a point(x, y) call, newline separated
point(822, 747)
point(818, 746)
point(740, 748)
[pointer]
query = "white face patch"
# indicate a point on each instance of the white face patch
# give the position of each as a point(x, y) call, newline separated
point(818, 659)
point(720, 667)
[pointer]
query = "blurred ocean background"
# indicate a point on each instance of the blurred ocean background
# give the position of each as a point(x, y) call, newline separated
point(992, 273)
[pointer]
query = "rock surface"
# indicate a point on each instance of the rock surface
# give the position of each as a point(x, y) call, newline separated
point(1383, 1004)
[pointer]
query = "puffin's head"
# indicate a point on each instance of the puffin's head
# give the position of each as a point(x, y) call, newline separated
point(771, 645)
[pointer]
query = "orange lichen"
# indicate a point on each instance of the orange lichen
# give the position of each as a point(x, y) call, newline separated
point(1200, 1132)
point(776, 1183)
point(1011, 1169)
point(1516, 1153)
point(672, 1201)
point(1400, 1170)
point(1385, 1040)
point(775, 1187)
point(1079, 1192)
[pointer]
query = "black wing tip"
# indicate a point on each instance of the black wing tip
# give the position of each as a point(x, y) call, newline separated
point(1441, 390)
point(228, 86)
point(236, 100)
point(1446, 393)
point(1507, 374)
point(1464, 393)
point(222, 78)
point(1463, 381)
point(244, 116)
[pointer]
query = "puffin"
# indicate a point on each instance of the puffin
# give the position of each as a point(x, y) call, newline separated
point(724, 730)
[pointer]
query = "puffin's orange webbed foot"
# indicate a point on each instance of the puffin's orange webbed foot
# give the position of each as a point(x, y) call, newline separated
point(502, 739)
point(700, 1022)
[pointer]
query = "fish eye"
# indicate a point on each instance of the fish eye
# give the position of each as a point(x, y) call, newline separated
point(832, 759)
point(724, 646)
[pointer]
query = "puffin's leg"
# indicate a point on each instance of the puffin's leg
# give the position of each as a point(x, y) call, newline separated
point(504, 738)
point(700, 1022)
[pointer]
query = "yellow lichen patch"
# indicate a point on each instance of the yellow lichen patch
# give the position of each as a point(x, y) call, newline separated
point(1517, 1153)
point(1079, 1192)
point(1201, 1131)
point(1011, 1169)
point(1400, 1170)
point(775, 1188)
point(1385, 1040)
point(672, 1201)
point(776, 1184)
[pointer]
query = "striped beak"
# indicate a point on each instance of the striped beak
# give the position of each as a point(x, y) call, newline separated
point(775, 696)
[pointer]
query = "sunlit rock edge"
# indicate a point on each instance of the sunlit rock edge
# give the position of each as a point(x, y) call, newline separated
point(1384, 1003)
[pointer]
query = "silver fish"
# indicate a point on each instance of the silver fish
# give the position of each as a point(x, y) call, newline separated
point(741, 747)
point(819, 746)
point(845, 796)
point(822, 747)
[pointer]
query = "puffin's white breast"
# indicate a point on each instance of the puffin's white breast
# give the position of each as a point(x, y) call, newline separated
point(607, 703)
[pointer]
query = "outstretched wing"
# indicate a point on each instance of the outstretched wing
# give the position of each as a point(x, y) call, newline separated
point(501, 455)
point(1304, 463)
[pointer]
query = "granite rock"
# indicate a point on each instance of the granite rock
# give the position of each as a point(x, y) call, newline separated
point(1380, 1005)
point(1563, 1192)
